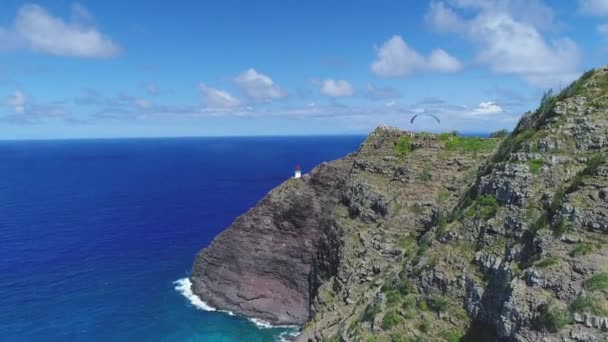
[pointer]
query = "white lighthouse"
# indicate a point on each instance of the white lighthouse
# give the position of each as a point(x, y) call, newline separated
point(298, 172)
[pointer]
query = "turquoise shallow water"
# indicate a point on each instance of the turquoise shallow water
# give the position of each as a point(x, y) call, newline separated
point(96, 234)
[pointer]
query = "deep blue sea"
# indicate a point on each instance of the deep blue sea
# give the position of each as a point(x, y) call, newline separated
point(96, 235)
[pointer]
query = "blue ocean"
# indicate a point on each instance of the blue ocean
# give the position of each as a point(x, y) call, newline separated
point(97, 237)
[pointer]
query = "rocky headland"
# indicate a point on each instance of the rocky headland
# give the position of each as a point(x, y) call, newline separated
point(435, 237)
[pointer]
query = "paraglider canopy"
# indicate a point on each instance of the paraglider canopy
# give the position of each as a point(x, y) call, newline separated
point(424, 114)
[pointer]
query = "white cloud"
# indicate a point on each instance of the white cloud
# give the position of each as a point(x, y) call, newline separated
point(594, 7)
point(440, 60)
point(444, 18)
point(216, 98)
point(143, 103)
point(396, 59)
point(17, 102)
point(391, 103)
point(509, 41)
point(486, 108)
point(38, 30)
point(258, 86)
point(337, 88)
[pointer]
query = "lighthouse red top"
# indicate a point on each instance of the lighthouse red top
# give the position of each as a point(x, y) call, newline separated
point(297, 166)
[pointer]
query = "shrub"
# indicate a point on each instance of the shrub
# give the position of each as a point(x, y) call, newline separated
point(546, 262)
point(438, 304)
point(561, 227)
point(392, 297)
point(451, 336)
point(580, 249)
point(409, 303)
point(597, 282)
point(485, 207)
point(589, 303)
point(425, 326)
point(425, 176)
point(371, 311)
point(443, 196)
point(552, 317)
point(590, 169)
point(422, 305)
point(398, 337)
point(404, 287)
point(403, 146)
point(390, 320)
point(535, 165)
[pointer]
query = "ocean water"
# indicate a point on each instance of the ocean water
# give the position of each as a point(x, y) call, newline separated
point(97, 237)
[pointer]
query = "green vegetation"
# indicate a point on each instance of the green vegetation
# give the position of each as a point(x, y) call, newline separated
point(547, 262)
point(535, 165)
point(499, 134)
point(597, 282)
point(470, 144)
point(484, 207)
point(425, 176)
point(581, 248)
point(589, 303)
point(553, 317)
point(438, 303)
point(425, 326)
point(390, 320)
point(402, 146)
point(443, 137)
point(443, 196)
point(561, 227)
point(591, 168)
point(417, 210)
point(371, 311)
point(451, 336)
point(398, 337)
point(421, 304)
point(512, 143)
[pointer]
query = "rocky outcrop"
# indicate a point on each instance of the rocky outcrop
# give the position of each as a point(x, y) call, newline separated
point(260, 266)
point(435, 237)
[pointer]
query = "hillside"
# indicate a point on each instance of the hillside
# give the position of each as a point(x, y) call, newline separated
point(426, 237)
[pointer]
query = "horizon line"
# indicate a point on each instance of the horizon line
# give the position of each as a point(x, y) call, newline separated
point(215, 136)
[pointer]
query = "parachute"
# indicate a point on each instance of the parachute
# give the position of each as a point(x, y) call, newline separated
point(421, 114)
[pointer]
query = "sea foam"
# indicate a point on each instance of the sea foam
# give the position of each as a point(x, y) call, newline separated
point(184, 286)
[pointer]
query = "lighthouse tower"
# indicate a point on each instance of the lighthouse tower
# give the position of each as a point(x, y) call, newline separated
point(298, 172)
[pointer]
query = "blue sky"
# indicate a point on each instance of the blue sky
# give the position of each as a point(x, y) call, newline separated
point(192, 68)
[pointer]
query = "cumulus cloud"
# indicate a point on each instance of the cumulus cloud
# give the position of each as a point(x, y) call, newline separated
point(258, 86)
point(594, 7)
point(37, 30)
point(509, 39)
point(486, 108)
point(337, 88)
point(396, 59)
point(216, 98)
point(16, 102)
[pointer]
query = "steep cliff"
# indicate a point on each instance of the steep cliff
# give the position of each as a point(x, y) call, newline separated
point(435, 237)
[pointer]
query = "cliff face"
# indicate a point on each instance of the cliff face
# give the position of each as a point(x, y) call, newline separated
point(260, 266)
point(435, 237)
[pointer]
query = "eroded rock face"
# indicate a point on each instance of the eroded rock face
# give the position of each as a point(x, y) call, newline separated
point(260, 265)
